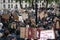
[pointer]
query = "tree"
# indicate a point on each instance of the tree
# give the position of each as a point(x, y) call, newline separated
point(50, 1)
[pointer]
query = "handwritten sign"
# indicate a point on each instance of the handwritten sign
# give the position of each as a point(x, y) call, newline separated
point(47, 34)
point(36, 33)
point(32, 33)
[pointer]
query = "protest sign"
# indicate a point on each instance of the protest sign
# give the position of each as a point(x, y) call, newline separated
point(34, 33)
point(47, 34)
point(26, 32)
point(22, 32)
point(30, 33)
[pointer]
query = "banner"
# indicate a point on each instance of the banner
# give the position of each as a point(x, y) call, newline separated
point(36, 33)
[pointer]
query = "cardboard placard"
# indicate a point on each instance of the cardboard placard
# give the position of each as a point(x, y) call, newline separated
point(5, 16)
point(26, 30)
point(22, 32)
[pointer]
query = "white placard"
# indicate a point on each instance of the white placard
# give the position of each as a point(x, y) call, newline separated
point(47, 34)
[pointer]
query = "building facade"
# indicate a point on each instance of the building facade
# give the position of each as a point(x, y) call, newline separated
point(9, 4)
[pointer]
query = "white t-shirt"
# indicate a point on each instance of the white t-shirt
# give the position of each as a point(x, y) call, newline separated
point(20, 18)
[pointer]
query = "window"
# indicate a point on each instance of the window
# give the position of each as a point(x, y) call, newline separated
point(12, 6)
point(8, 1)
point(4, 6)
point(8, 5)
point(16, 6)
point(3, 1)
point(11, 0)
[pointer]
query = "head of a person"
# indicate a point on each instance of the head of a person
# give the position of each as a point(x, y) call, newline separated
point(1, 34)
point(13, 38)
point(6, 32)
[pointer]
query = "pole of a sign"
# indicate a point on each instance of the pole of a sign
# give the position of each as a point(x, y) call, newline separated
point(46, 3)
point(20, 3)
point(32, 4)
point(36, 10)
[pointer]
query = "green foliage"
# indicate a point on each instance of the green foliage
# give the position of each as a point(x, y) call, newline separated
point(56, 1)
point(49, 1)
point(16, 0)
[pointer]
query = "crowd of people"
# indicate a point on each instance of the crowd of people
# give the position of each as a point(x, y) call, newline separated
point(10, 28)
point(47, 18)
